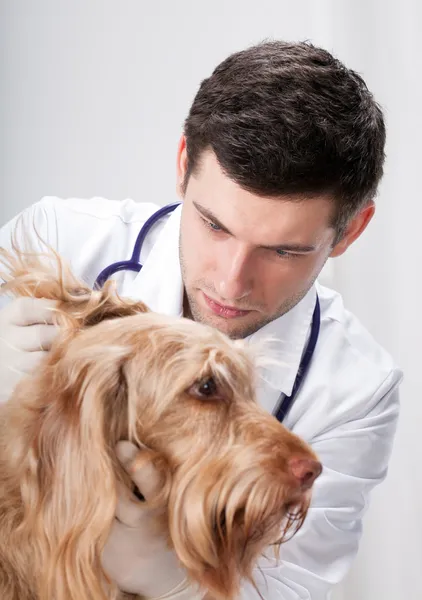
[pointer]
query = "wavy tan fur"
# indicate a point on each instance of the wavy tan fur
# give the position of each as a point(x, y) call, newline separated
point(119, 371)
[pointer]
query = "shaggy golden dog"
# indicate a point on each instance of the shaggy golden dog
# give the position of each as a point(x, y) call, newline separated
point(234, 480)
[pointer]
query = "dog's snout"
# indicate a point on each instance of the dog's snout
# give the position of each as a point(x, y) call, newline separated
point(305, 470)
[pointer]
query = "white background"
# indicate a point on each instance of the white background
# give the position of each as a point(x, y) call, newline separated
point(93, 98)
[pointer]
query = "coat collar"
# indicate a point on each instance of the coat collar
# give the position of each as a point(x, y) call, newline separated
point(159, 284)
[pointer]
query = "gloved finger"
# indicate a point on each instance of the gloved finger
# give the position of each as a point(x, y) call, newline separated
point(30, 360)
point(31, 311)
point(33, 337)
point(129, 510)
point(143, 474)
point(25, 362)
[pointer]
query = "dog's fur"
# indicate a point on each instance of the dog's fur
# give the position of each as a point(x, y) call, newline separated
point(118, 372)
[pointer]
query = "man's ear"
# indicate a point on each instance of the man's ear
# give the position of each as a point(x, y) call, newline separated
point(354, 229)
point(181, 166)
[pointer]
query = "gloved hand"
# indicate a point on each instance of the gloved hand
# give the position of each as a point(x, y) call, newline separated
point(135, 557)
point(26, 333)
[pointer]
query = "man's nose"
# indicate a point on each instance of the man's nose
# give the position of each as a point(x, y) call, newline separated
point(234, 276)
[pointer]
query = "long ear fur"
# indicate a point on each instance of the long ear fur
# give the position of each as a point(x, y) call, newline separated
point(66, 470)
point(61, 470)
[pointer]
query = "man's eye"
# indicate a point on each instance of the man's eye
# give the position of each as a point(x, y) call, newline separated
point(211, 225)
point(284, 254)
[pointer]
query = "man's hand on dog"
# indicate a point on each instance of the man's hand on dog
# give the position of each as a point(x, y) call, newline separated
point(135, 556)
point(26, 333)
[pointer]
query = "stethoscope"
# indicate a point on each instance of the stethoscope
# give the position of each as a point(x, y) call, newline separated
point(133, 264)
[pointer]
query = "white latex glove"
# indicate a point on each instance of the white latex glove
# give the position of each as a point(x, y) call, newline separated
point(135, 557)
point(26, 333)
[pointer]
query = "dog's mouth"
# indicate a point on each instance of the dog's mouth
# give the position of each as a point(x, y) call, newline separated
point(295, 515)
point(286, 524)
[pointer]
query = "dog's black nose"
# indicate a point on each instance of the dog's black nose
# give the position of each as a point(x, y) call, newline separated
point(306, 470)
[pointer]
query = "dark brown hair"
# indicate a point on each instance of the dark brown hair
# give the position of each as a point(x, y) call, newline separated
point(290, 119)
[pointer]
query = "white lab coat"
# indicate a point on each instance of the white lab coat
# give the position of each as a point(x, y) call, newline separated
point(347, 407)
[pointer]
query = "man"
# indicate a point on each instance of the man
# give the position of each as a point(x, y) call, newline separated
point(278, 167)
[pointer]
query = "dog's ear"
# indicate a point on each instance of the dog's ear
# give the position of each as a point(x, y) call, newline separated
point(26, 271)
point(47, 275)
point(66, 463)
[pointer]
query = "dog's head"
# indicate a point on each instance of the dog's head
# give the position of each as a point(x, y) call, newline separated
point(234, 480)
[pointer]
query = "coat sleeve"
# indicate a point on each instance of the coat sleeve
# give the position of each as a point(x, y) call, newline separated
point(37, 223)
point(355, 458)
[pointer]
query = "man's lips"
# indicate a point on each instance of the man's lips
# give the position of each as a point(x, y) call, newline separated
point(227, 312)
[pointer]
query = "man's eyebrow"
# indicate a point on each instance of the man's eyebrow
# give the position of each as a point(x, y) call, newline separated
point(298, 248)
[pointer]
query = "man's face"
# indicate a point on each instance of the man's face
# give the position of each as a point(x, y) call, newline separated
point(247, 260)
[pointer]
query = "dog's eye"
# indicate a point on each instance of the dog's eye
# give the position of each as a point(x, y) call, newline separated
point(206, 388)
